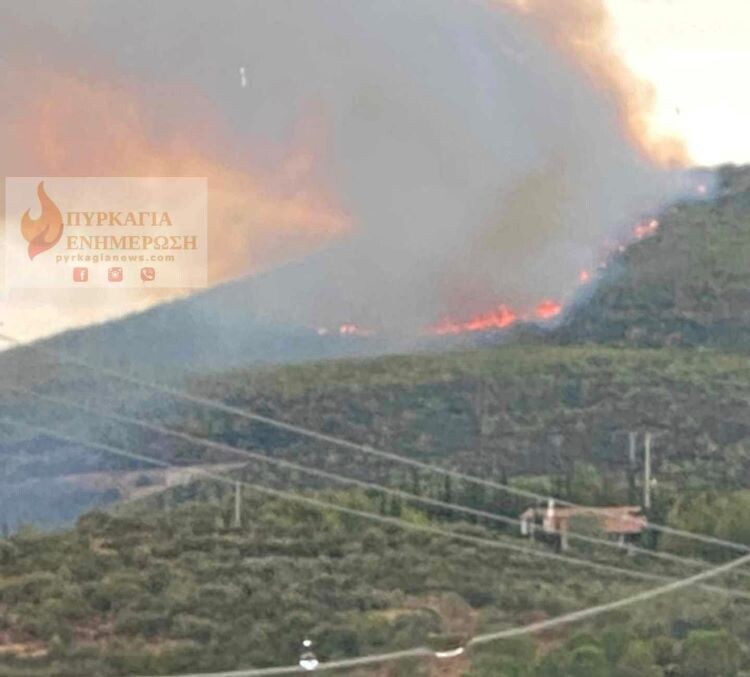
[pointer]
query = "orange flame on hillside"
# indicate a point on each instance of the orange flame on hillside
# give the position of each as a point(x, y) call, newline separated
point(646, 229)
point(499, 318)
point(547, 309)
point(351, 329)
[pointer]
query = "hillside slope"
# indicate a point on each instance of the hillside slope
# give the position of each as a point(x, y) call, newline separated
point(169, 585)
point(533, 409)
point(165, 592)
point(555, 415)
point(687, 284)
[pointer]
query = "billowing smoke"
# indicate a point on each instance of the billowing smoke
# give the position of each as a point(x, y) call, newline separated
point(448, 155)
point(583, 30)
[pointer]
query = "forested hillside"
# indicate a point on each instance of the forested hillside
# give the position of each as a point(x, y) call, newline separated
point(687, 284)
point(684, 286)
point(554, 417)
point(170, 586)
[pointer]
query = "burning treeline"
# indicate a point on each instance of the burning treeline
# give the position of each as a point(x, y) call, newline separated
point(451, 162)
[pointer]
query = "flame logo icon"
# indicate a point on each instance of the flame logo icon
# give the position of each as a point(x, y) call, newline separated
point(45, 232)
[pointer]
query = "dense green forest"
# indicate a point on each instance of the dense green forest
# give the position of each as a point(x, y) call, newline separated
point(556, 418)
point(172, 585)
point(167, 584)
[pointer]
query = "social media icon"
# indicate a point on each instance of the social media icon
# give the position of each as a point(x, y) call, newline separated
point(80, 274)
point(114, 274)
point(148, 274)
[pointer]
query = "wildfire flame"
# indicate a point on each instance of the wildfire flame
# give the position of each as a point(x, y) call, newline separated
point(548, 309)
point(348, 329)
point(45, 232)
point(502, 316)
point(499, 318)
point(352, 329)
point(646, 229)
point(245, 200)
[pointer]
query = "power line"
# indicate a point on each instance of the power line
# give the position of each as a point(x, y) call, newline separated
point(363, 448)
point(392, 521)
point(237, 451)
point(419, 652)
point(611, 606)
point(572, 617)
point(565, 619)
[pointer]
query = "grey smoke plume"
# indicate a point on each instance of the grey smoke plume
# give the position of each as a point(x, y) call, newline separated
point(477, 164)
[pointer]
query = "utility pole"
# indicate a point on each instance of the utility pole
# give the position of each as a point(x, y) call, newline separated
point(479, 412)
point(647, 471)
point(631, 467)
point(237, 505)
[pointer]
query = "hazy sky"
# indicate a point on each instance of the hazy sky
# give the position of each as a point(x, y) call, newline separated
point(696, 53)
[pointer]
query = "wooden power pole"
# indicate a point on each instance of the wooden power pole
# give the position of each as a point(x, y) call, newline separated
point(632, 495)
point(237, 505)
point(647, 471)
